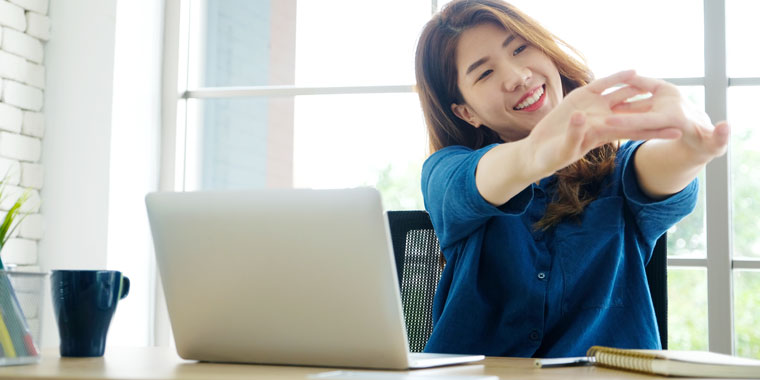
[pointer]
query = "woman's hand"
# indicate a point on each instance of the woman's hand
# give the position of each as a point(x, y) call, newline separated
point(666, 167)
point(581, 122)
point(666, 108)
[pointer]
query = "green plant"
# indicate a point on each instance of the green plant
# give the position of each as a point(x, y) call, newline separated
point(7, 227)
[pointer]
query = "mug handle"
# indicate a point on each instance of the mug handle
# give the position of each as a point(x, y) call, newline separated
point(123, 287)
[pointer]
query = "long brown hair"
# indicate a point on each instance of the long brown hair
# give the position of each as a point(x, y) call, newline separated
point(436, 72)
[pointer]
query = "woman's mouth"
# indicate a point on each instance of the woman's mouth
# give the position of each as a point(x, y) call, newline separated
point(533, 100)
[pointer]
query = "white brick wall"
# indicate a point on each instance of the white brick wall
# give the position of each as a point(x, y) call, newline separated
point(20, 147)
point(24, 29)
point(20, 252)
point(11, 170)
point(12, 16)
point(32, 227)
point(22, 96)
point(33, 204)
point(39, 6)
point(22, 44)
point(38, 25)
point(11, 118)
point(31, 175)
point(11, 66)
point(33, 124)
point(34, 75)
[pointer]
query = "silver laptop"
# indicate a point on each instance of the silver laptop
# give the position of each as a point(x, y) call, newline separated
point(298, 277)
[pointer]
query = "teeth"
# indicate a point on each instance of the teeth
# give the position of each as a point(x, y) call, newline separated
point(531, 99)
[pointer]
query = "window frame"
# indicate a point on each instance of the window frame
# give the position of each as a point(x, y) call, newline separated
point(717, 189)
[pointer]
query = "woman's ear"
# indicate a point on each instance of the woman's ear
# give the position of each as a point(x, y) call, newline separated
point(464, 112)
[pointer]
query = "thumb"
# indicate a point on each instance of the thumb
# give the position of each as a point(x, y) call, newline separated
point(721, 134)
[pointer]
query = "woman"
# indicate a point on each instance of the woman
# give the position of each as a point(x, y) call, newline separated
point(545, 221)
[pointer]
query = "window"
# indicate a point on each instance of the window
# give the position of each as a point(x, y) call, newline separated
point(743, 61)
point(746, 242)
point(283, 93)
point(329, 102)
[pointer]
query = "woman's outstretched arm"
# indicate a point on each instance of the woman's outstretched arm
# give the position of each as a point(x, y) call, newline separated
point(665, 167)
point(577, 125)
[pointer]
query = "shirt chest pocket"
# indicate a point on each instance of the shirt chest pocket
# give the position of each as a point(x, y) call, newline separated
point(591, 257)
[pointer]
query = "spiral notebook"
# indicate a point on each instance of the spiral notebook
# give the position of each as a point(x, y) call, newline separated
point(676, 363)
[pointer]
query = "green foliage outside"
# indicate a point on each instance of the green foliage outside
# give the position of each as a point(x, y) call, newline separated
point(400, 187)
point(745, 188)
point(746, 224)
point(687, 309)
point(746, 310)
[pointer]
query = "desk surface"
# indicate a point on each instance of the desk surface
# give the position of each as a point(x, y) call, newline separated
point(163, 363)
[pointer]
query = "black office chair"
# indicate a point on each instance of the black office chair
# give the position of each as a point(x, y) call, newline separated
point(418, 264)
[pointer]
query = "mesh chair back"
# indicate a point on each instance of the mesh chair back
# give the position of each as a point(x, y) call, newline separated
point(418, 258)
point(657, 277)
point(418, 266)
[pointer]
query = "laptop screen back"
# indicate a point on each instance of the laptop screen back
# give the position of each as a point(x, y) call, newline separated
point(302, 277)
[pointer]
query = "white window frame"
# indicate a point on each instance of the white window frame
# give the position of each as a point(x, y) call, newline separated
point(718, 264)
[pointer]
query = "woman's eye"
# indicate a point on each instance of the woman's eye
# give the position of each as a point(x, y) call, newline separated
point(520, 49)
point(485, 74)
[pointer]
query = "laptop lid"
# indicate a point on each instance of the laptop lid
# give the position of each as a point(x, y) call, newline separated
point(302, 277)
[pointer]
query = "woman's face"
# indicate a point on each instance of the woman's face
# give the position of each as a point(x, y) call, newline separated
point(507, 84)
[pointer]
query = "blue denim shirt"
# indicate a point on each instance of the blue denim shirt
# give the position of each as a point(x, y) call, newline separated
point(510, 290)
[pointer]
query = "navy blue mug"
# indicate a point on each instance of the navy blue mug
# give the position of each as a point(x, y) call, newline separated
point(84, 302)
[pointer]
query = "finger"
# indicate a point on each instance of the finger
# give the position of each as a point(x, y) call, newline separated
point(598, 86)
point(641, 127)
point(722, 129)
point(644, 83)
point(643, 105)
point(721, 135)
point(612, 134)
point(648, 120)
point(607, 135)
point(622, 94)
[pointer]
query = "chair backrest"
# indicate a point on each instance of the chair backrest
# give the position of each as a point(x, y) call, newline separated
point(657, 278)
point(418, 257)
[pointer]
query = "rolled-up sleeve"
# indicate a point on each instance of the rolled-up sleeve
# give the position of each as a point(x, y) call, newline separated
point(653, 217)
point(452, 198)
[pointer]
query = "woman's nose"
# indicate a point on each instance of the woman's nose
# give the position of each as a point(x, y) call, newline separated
point(515, 77)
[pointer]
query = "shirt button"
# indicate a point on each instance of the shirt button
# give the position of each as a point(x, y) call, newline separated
point(541, 275)
point(534, 335)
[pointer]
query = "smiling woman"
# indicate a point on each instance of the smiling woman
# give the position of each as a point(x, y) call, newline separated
point(512, 63)
point(527, 181)
point(492, 81)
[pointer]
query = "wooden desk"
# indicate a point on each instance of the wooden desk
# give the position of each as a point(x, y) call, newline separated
point(163, 363)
